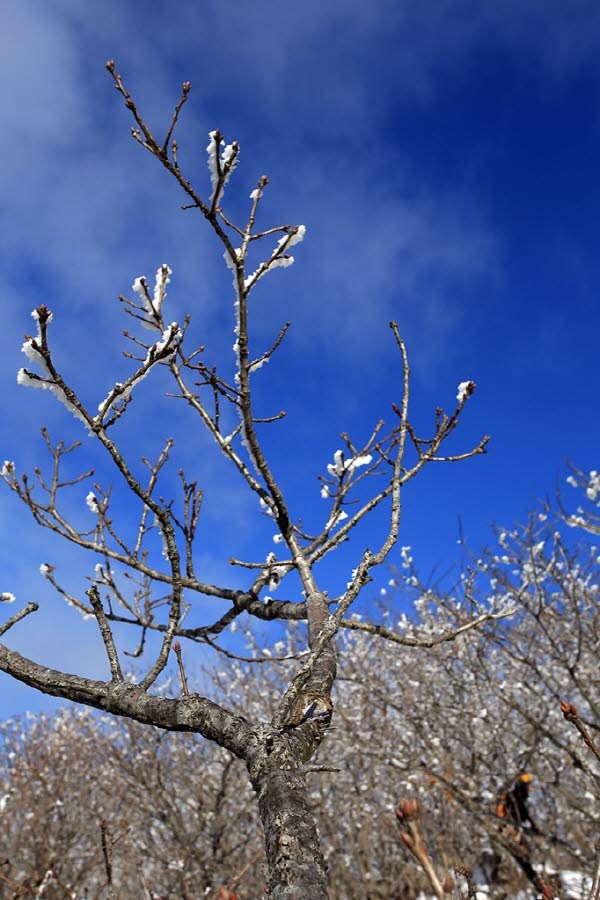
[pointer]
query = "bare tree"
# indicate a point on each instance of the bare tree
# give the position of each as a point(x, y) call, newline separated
point(127, 588)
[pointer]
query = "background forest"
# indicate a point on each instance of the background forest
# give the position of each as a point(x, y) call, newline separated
point(453, 726)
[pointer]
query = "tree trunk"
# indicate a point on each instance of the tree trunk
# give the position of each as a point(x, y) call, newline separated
point(296, 864)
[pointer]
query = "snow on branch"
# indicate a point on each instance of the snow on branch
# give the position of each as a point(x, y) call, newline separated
point(279, 257)
point(120, 395)
point(222, 160)
point(152, 305)
point(36, 351)
point(465, 389)
point(340, 465)
point(586, 516)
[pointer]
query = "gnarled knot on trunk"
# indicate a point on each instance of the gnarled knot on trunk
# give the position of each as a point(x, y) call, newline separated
point(311, 706)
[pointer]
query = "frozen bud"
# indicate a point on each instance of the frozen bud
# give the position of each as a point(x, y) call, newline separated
point(110, 65)
point(448, 884)
point(569, 710)
point(42, 314)
point(7, 597)
point(46, 569)
point(407, 808)
point(465, 389)
point(187, 86)
point(407, 840)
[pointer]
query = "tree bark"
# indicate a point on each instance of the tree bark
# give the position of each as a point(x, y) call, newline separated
point(192, 713)
point(296, 864)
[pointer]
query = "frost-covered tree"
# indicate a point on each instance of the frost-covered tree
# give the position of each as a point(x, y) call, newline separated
point(459, 726)
point(127, 586)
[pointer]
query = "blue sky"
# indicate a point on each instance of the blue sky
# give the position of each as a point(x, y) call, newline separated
point(445, 162)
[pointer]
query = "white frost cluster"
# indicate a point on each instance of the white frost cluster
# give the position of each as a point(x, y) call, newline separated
point(45, 380)
point(99, 573)
point(341, 465)
point(170, 337)
point(45, 569)
point(279, 257)
point(276, 574)
point(336, 519)
point(265, 507)
point(286, 243)
point(165, 546)
point(463, 390)
point(352, 577)
point(7, 469)
point(156, 353)
point(7, 597)
point(92, 502)
point(153, 305)
point(225, 153)
point(406, 557)
point(258, 364)
point(593, 488)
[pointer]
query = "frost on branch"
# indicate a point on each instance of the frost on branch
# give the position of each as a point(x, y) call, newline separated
point(341, 465)
point(152, 305)
point(120, 394)
point(586, 517)
point(279, 257)
point(336, 519)
point(36, 351)
point(265, 507)
point(465, 389)
point(222, 160)
point(8, 469)
point(593, 487)
point(92, 502)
